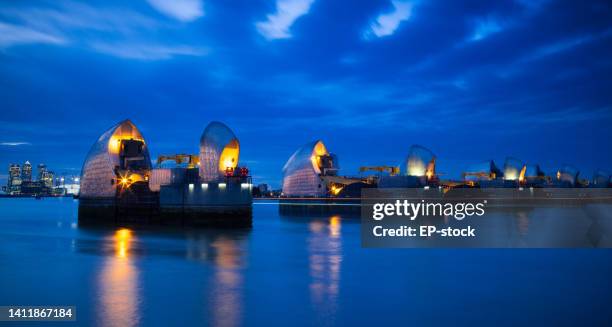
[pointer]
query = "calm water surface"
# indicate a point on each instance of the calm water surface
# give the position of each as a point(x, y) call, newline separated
point(290, 271)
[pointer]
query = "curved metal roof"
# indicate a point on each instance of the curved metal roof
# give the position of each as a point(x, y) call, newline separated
point(99, 167)
point(219, 149)
point(513, 169)
point(301, 172)
point(420, 161)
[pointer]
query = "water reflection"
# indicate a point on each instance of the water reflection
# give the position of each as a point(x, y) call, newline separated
point(120, 281)
point(227, 283)
point(325, 263)
point(118, 284)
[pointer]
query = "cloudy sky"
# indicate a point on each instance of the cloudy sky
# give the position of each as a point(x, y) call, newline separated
point(471, 80)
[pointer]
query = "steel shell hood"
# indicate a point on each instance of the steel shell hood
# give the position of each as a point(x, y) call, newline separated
point(568, 174)
point(98, 170)
point(420, 162)
point(219, 150)
point(302, 172)
point(514, 170)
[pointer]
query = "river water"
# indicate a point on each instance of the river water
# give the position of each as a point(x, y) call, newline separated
point(285, 271)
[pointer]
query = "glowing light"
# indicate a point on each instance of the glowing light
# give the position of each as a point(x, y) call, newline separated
point(416, 167)
point(222, 185)
point(245, 185)
point(190, 187)
point(522, 174)
point(204, 186)
point(114, 145)
point(123, 237)
point(318, 151)
point(334, 226)
point(335, 190)
point(510, 175)
point(229, 156)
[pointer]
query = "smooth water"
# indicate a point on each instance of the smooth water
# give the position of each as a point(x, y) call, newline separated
point(289, 271)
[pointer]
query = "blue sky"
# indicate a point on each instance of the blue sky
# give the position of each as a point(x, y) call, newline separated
point(471, 80)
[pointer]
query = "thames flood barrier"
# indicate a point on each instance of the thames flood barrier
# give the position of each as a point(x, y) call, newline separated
point(120, 185)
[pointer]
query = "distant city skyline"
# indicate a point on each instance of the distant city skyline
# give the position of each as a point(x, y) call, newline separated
point(24, 180)
point(471, 80)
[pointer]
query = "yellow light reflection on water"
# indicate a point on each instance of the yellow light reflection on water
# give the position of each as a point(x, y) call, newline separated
point(334, 226)
point(118, 284)
point(123, 238)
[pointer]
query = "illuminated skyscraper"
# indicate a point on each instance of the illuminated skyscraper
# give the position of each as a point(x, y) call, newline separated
point(45, 177)
point(26, 172)
point(14, 180)
point(42, 168)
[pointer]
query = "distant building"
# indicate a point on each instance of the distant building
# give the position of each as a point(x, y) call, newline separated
point(45, 176)
point(67, 189)
point(34, 188)
point(26, 172)
point(263, 188)
point(601, 179)
point(41, 168)
point(14, 179)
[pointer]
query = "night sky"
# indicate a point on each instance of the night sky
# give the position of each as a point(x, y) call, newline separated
point(470, 80)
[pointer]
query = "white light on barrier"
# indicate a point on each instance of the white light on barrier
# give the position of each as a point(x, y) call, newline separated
point(190, 187)
point(222, 185)
point(245, 185)
point(204, 186)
